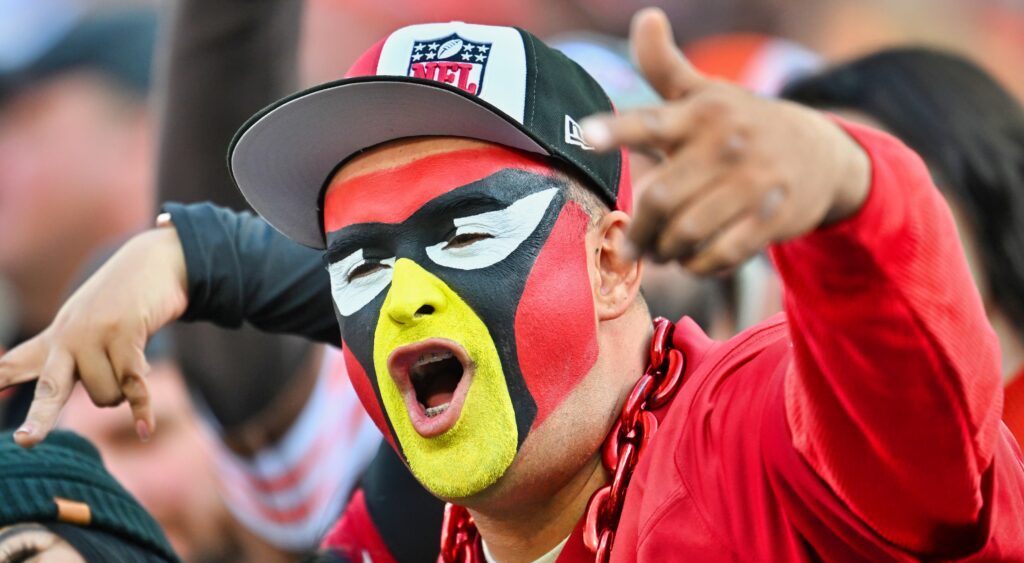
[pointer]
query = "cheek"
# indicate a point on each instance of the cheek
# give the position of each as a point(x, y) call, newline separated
point(556, 332)
point(367, 396)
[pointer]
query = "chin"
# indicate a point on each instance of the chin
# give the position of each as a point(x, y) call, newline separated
point(554, 456)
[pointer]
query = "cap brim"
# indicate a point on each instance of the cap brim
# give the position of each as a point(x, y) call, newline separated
point(282, 157)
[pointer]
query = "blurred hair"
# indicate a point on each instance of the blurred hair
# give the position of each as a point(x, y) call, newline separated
point(967, 128)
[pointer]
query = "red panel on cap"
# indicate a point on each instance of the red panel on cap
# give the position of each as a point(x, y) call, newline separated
point(624, 198)
point(392, 195)
point(366, 64)
point(556, 334)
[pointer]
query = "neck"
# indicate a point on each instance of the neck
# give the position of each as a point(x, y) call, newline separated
point(532, 530)
point(531, 525)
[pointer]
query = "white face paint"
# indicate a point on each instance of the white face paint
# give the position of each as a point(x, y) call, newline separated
point(500, 233)
point(491, 237)
point(352, 289)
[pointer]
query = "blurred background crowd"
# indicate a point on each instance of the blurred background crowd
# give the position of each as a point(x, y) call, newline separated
point(260, 438)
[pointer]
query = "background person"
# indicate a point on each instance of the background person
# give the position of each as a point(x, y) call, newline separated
point(61, 505)
point(171, 474)
point(75, 155)
point(970, 132)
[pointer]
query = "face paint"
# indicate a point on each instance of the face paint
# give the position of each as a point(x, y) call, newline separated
point(430, 285)
point(471, 453)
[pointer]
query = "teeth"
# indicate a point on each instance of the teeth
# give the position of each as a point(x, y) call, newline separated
point(431, 357)
point(434, 411)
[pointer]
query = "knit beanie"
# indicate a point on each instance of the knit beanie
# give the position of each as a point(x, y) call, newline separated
point(63, 485)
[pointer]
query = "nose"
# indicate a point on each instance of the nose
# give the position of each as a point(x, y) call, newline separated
point(414, 294)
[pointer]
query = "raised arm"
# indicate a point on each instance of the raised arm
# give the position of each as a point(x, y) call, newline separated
point(239, 269)
point(894, 397)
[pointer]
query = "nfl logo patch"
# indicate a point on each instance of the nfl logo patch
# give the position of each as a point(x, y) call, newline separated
point(452, 60)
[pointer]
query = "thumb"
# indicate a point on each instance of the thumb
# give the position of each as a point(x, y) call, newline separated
point(660, 60)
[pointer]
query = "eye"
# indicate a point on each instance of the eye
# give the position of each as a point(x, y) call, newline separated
point(466, 239)
point(20, 554)
point(365, 269)
point(485, 239)
point(356, 280)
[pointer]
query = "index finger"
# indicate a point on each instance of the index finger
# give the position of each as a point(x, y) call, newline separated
point(662, 127)
point(52, 392)
point(23, 363)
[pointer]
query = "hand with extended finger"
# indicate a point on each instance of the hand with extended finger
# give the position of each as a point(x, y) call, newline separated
point(99, 335)
point(740, 172)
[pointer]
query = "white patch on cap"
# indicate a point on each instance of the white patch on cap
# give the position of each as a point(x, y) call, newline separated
point(498, 57)
point(351, 295)
point(507, 229)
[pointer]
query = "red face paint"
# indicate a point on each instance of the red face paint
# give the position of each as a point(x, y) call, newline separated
point(367, 396)
point(556, 334)
point(392, 195)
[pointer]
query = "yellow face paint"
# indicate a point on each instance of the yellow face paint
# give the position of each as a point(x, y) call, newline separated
point(476, 451)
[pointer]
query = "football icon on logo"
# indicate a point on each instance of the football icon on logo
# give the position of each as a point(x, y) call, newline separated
point(449, 48)
point(452, 59)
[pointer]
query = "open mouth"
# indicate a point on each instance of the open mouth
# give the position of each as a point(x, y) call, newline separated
point(433, 377)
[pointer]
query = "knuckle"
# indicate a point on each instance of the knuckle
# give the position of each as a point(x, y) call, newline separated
point(107, 327)
point(714, 259)
point(710, 109)
point(734, 145)
point(771, 203)
point(687, 230)
point(105, 396)
point(728, 255)
point(655, 197)
point(133, 386)
point(675, 85)
point(46, 388)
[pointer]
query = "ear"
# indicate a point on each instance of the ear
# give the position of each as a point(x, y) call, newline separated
point(617, 282)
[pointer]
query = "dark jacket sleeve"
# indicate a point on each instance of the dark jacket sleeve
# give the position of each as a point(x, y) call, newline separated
point(242, 270)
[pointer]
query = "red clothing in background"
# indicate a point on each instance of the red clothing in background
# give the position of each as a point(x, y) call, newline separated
point(866, 428)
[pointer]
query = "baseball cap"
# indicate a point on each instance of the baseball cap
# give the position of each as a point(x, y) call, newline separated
point(496, 84)
point(117, 43)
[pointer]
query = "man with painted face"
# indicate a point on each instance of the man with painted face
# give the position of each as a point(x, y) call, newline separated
point(482, 270)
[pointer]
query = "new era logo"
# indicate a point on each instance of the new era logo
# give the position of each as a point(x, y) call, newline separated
point(452, 60)
point(574, 134)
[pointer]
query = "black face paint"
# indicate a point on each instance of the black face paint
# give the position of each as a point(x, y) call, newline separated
point(492, 292)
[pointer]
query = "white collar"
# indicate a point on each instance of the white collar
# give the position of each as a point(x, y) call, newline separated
point(548, 557)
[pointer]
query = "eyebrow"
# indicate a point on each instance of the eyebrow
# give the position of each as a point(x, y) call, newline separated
point(470, 204)
point(350, 242)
